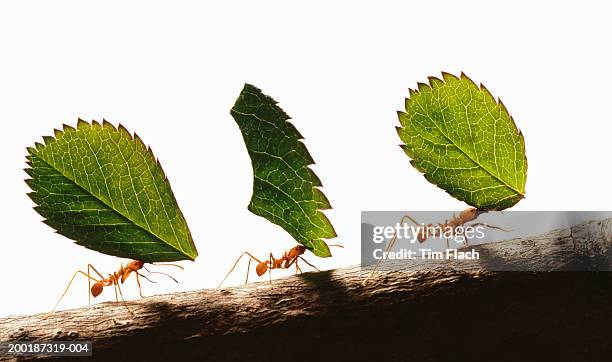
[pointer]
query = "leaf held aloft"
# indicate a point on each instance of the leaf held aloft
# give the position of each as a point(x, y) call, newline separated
point(102, 187)
point(285, 190)
point(465, 142)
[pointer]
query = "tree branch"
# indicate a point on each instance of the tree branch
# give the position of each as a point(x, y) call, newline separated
point(401, 314)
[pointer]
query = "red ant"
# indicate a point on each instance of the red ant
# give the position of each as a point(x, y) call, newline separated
point(451, 225)
point(115, 279)
point(288, 259)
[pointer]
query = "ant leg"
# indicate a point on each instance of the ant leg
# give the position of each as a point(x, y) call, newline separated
point(116, 296)
point(121, 294)
point(88, 286)
point(295, 261)
point(270, 268)
point(94, 269)
point(70, 283)
point(288, 264)
point(489, 226)
point(246, 280)
point(139, 286)
point(117, 286)
point(89, 268)
point(236, 263)
point(389, 246)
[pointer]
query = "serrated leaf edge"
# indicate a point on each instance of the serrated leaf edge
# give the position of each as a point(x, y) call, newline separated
point(148, 150)
point(445, 77)
point(316, 185)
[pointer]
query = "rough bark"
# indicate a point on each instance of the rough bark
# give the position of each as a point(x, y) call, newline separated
point(403, 314)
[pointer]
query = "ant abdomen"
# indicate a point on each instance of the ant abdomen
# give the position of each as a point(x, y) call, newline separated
point(261, 269)
point(96, 289)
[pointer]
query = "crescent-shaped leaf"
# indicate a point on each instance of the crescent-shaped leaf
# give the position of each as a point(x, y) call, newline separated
point(103, 188)
point(465, 142)
point(285, 190)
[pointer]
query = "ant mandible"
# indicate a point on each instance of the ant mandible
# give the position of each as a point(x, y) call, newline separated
point(115, 279)
point(288, 259)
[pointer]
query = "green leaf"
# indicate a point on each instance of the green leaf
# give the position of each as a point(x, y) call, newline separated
point(285, 189)
point(465, 142)
point(103, 188)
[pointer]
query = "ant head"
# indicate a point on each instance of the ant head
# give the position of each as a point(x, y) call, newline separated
point(96, 289)
point(135, 265)
point(261, 269)
point(297, 250)
point(470, 214)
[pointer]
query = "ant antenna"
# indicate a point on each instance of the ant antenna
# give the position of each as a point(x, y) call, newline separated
point(306, 261)
point(169, 264)
point(144, 276)
point(157, 272)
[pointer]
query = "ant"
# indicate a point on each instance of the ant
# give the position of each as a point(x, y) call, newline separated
point(115, 279)
point(451, 225)
point(440, 229)
point(288, 259)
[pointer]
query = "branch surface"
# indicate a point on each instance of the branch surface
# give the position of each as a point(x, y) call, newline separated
point(415, 312)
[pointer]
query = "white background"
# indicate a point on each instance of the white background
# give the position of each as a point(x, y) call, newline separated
point(340, 69)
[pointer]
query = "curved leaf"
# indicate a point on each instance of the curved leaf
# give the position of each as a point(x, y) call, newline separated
point(465, 142)
point(285, 189)
point(103, 188)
